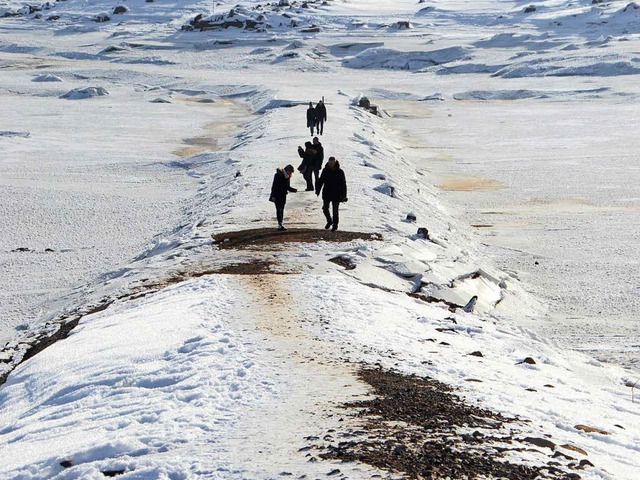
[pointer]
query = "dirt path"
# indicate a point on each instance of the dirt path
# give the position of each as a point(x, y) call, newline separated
point(315, 383)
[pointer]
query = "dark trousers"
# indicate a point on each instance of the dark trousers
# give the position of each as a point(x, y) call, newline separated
point(280, 210)
point(316, 174)
point(319, 127)
point(311, 128)
point(325, 210)
point(308, 176)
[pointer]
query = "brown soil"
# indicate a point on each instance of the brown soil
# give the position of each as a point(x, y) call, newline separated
point(411, 427)
point(259, 237)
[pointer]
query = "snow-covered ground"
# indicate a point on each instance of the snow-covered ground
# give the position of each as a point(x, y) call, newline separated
point(127, 143)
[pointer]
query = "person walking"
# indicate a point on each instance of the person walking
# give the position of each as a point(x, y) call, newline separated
point(321, 117)
point(318, 159)
point(311, 118)
point(308, 155)
point(333, 185)
point(280, 187)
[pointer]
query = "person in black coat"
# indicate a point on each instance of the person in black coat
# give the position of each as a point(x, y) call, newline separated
point(311, 117)
point(321, 117)
point(279, 189)
point(308, 155)
point(333, 184)
point(318, 159)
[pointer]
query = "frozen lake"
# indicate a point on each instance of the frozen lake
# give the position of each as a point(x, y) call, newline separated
point(87, 188)
point(551, 188)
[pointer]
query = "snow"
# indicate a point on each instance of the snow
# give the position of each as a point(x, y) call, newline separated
point(524, 172)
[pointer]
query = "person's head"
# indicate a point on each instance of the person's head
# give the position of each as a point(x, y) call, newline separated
point(308, 144)
point(332, 162)
point(320, 101)
point(315, 140)
point(288, 170)
point(310, 104)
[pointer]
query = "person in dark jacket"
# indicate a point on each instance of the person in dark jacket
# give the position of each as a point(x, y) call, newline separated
point(333, 184)
point(321, 117)
point(311, 117)
point(308, 155)
point(279, 189)
point(318, 159)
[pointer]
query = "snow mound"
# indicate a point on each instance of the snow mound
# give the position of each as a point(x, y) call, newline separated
point(393, 59)
point(469, 68)
point(499, 95)
point(605, 66)
point(509, 39)
point(46, 77)
point(87, 92)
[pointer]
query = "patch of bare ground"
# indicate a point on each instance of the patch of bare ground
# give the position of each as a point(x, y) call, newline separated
point(411, 426)
point(260, 237)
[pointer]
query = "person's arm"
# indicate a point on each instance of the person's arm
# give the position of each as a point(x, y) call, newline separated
point(320, 183)
point(344, 187)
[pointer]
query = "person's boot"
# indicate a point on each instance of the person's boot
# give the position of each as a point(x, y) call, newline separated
point(335, 227)
point(328, 225)
point(281, 227)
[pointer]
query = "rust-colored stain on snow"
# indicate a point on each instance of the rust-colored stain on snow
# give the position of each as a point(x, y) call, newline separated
point(468, 184)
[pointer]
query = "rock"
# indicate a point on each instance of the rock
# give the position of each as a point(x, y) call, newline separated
point(364, 103)
point(423, 233)
point(563, 455)
point(120, 9)
point(403, 25)
point(102, 17)
point(477, 353)
point(530, 9)
point(411, 217)
point(540, 442)
point(528, 360)
point(585, 463)
point(588, 429)
point(66, 463)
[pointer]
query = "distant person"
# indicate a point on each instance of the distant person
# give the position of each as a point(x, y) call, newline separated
point(318, 159)
point(333, 184)
point(308, 155)
point(311, 118)
point(279, 189)
point(321, 117)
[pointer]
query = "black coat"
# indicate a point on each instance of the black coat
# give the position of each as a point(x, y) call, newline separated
point(311, 117)
point(334, 183)
point(280, 187)
point(308, 156)
point(319, 156)
point(321, 113)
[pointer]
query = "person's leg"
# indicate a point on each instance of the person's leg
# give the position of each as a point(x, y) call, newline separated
point(325, 210)
point(336, 216)
point(320, 126)
point(316, 174)
point(308, 176)
point(280, 212)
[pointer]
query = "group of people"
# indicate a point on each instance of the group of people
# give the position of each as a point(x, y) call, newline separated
point(316, 116)
point(331, 182)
